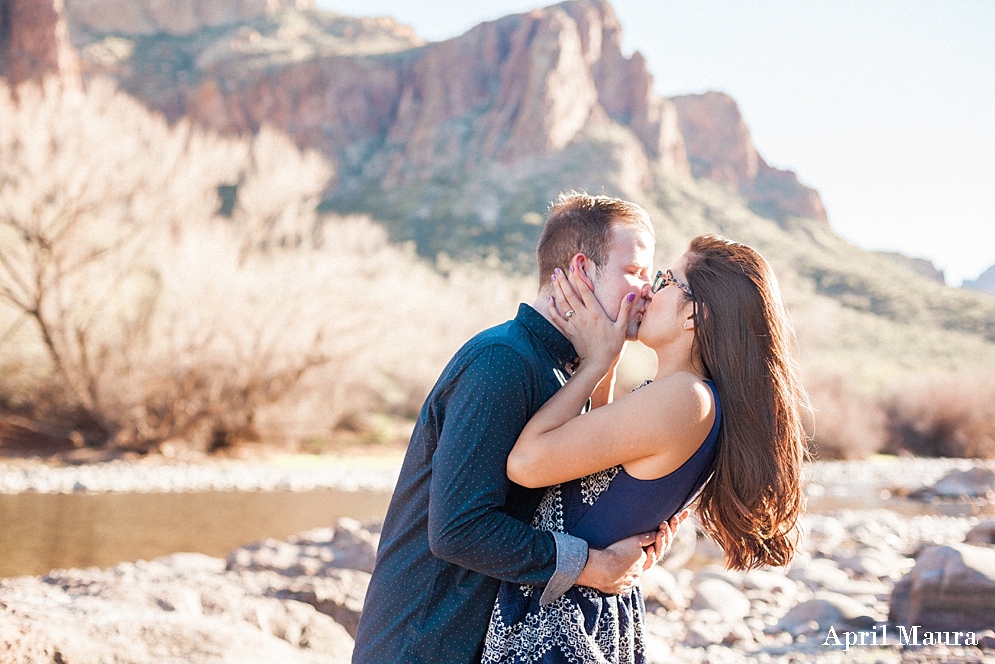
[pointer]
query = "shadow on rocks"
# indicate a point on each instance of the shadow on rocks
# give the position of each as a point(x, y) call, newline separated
point(328, 568)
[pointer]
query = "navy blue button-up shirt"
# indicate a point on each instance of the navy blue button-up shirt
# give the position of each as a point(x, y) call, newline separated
point(456, 525)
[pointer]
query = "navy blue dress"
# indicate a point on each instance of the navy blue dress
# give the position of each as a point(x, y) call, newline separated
point(586, 626)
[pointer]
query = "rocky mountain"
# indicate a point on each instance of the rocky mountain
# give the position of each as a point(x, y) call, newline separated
point(475, 131)
point(985, 282)
point(921, 266)
point(34, 41)
point(720, 148)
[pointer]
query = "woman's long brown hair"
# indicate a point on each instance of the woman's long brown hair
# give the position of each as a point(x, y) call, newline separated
point(752, 503)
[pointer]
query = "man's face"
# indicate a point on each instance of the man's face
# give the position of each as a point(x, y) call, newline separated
point(627, 270)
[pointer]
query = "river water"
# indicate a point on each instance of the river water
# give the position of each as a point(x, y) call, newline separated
point(43, 531)
point(40, 532)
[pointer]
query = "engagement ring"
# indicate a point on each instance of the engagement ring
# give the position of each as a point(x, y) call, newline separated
point(569, 313)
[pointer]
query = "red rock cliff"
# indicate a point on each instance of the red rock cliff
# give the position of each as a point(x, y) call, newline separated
point(34, 41)
point(719, 148)
point(392, 111)
point(530, 85)
point(521, 87)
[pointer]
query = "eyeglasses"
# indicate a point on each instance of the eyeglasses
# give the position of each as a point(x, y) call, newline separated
point(665, 279)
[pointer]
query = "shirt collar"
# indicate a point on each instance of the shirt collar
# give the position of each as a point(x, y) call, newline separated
point(557, 345)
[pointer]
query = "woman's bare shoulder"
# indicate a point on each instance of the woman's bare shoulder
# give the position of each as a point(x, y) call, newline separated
point(674, 414)
point(680, 393)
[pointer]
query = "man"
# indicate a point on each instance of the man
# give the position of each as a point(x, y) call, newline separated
point(456, 525)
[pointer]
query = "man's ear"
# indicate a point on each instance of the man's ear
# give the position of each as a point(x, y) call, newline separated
point(584, 267)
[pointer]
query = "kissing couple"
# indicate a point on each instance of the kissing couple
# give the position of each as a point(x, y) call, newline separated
point(530, 500)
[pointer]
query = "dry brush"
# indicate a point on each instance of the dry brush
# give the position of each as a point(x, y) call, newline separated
point(137, 306)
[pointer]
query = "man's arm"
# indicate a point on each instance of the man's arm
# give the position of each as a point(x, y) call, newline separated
point(613, 570)
point(488, 406)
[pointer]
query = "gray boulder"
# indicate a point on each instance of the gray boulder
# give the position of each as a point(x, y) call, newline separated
point(328, 568)
point(706, 628)
point(721, 597)
point(826, 610)
point(982, 534)
point(876, 563)
point(769, 583)
point(338, 594)
point(705, 634)
point(819, 573)
point(349, 545)
point(822, 533)
point(951, 588)
point(972, 483)
point(730, 576)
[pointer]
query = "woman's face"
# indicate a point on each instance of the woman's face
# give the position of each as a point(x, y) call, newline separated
point(667, 310)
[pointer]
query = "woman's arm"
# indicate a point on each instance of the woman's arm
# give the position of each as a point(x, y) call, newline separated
point(604, 393)
point(669, 417)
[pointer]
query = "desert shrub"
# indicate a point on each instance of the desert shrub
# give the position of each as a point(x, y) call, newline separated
point(100, 205)
point(942, 416)
point(397, 322)
point(138, 308)
point(935, 415)
point(844, 424)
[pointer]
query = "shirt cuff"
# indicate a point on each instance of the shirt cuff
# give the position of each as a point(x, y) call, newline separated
point(571, 557)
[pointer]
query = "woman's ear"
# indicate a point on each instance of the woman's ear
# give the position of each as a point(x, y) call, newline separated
point(584, 267)
point(689, 323)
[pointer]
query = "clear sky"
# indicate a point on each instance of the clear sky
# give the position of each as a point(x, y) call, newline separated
point(886, 107)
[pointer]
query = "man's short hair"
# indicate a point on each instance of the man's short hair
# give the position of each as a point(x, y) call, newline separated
point(583, 224)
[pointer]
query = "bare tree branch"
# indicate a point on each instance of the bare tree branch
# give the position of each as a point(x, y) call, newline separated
point(158, 321)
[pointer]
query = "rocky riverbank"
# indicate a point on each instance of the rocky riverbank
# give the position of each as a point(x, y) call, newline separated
point(862, 575)
point(378, 472)
point(159, 475)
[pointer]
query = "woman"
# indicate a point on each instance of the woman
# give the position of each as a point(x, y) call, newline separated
point(721, 421)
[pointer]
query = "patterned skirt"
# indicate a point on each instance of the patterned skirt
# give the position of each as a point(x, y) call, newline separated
point(584, 626)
